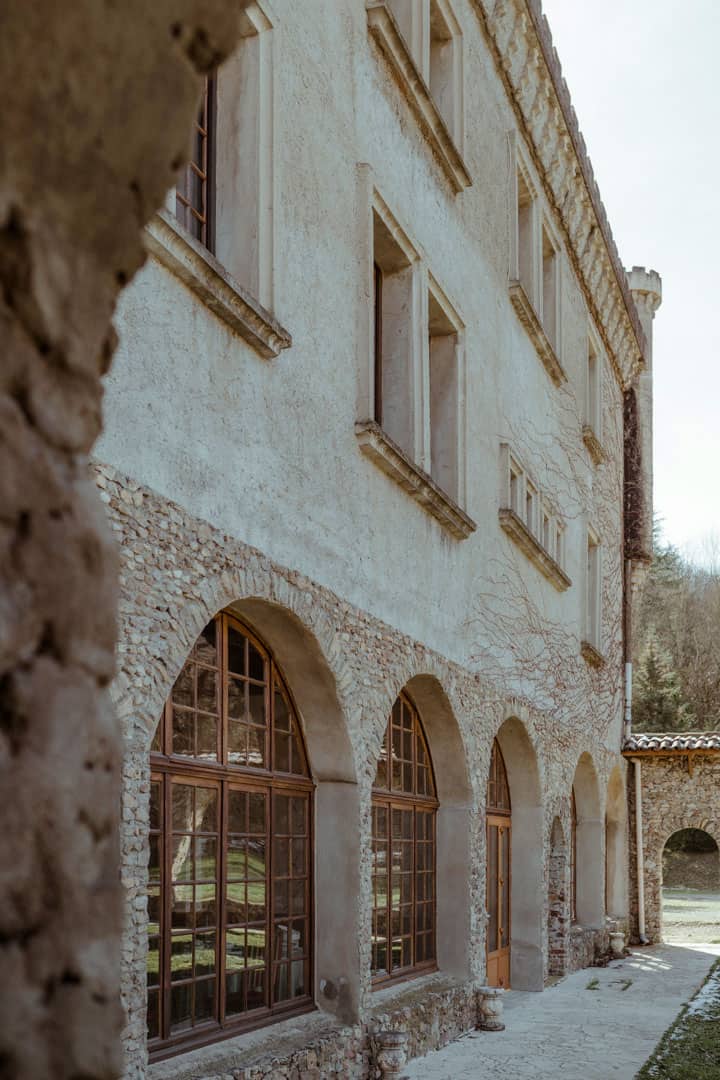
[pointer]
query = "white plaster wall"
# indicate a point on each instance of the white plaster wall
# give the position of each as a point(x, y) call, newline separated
point(266, 449)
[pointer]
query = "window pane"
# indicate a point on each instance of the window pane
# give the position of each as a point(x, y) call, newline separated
point(205, 954)
point(181, 954)
point(181, 1007)
point(204, 1000)
point(236, 698)
point(206, 690)
point(256, 664)
point(205, 649)
point(236, 651)
point(182, 691)
point(183, 732)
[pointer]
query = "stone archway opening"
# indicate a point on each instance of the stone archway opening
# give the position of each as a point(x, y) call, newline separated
point(454, 795)
point(616, 847)
point(690, 887)
point(589, 842)
point(526, 857)
point(558, 908)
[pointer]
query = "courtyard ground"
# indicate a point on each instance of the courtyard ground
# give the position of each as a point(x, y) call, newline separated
point(596, 1024)
point(691, 915)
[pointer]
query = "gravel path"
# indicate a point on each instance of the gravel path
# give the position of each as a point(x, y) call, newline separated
point(691, 915)
point(596, 1024)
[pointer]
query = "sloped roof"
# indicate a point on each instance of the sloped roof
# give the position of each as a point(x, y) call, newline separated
point(673, 740)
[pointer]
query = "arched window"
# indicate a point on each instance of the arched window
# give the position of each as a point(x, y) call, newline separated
point(573, 856)
point(230, 883)
point(404, 807)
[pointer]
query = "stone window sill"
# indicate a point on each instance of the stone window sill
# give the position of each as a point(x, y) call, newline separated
point(196, 267)
point(593, 444)
point(592, 655)
point(518, 531)
point(528, 317)
point(388, 456)
point(384, 29)
point(400, 995)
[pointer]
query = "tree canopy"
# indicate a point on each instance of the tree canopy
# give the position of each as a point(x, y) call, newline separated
point(677, 644)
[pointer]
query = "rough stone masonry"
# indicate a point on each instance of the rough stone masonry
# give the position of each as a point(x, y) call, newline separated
point(98, 102)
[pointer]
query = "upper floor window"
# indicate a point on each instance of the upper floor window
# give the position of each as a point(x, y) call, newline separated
point(415, 382)
point(404, 806)
point(194, 193)
point(434, 39)
point(224, 197)
point(593, 593)
point(535, 265)
point(230, 881)
point(530, 505)
point(423, 43)
point(592, 418)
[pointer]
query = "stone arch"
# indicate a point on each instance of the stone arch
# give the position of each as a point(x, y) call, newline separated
point(526, 856)
point(558, 914)
point(589, 839)
point(282, 611)
point(616, 845)
point(452, 779)
point(710, 832)
point(304, 643)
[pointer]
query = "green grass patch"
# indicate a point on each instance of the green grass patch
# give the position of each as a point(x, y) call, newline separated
point(690, 1048)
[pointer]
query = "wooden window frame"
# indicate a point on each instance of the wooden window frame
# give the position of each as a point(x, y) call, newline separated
point(390, 799)
point(498, 810)
point(168, 768)
point(199, 220)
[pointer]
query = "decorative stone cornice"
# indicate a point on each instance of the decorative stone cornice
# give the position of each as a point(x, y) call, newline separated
point(388, 456)
point(384, 30)
point(173, 246)
point(521, 42)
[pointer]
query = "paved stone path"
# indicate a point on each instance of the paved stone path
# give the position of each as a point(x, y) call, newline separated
point(577, 1033)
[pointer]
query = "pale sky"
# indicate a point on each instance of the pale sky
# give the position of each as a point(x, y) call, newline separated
point(645, 81)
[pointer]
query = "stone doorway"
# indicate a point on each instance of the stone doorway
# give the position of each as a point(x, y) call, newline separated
point(690, 887)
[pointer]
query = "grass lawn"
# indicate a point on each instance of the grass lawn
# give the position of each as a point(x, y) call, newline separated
point(690, 1049)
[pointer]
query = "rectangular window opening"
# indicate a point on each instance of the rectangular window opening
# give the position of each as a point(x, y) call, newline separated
point(525, 235)
point(392, 318)
point(549, 287)
point(443, 341)
point(592, 401)
point(195, 190)
point(592, 628)
point(444, 79)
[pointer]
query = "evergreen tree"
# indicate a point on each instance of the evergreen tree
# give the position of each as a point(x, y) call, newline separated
point(657, 696)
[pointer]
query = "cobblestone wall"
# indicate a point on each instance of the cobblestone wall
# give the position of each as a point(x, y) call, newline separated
point(672, 800)
point(177, 572)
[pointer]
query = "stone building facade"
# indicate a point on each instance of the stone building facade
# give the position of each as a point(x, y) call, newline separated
point(381, 425)
point(678, 776)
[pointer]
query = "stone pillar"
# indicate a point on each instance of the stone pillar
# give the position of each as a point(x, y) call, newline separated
point(99, 100)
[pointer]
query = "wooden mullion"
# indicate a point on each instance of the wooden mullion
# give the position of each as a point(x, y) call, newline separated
point(221, 876)
point(166, 908)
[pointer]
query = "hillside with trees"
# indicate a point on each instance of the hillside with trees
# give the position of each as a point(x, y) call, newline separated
point(677, 643)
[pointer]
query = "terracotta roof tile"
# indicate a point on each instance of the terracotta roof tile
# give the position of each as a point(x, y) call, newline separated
point(673, 740)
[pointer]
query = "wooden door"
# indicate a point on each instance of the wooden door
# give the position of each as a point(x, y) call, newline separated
point(498, 900)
